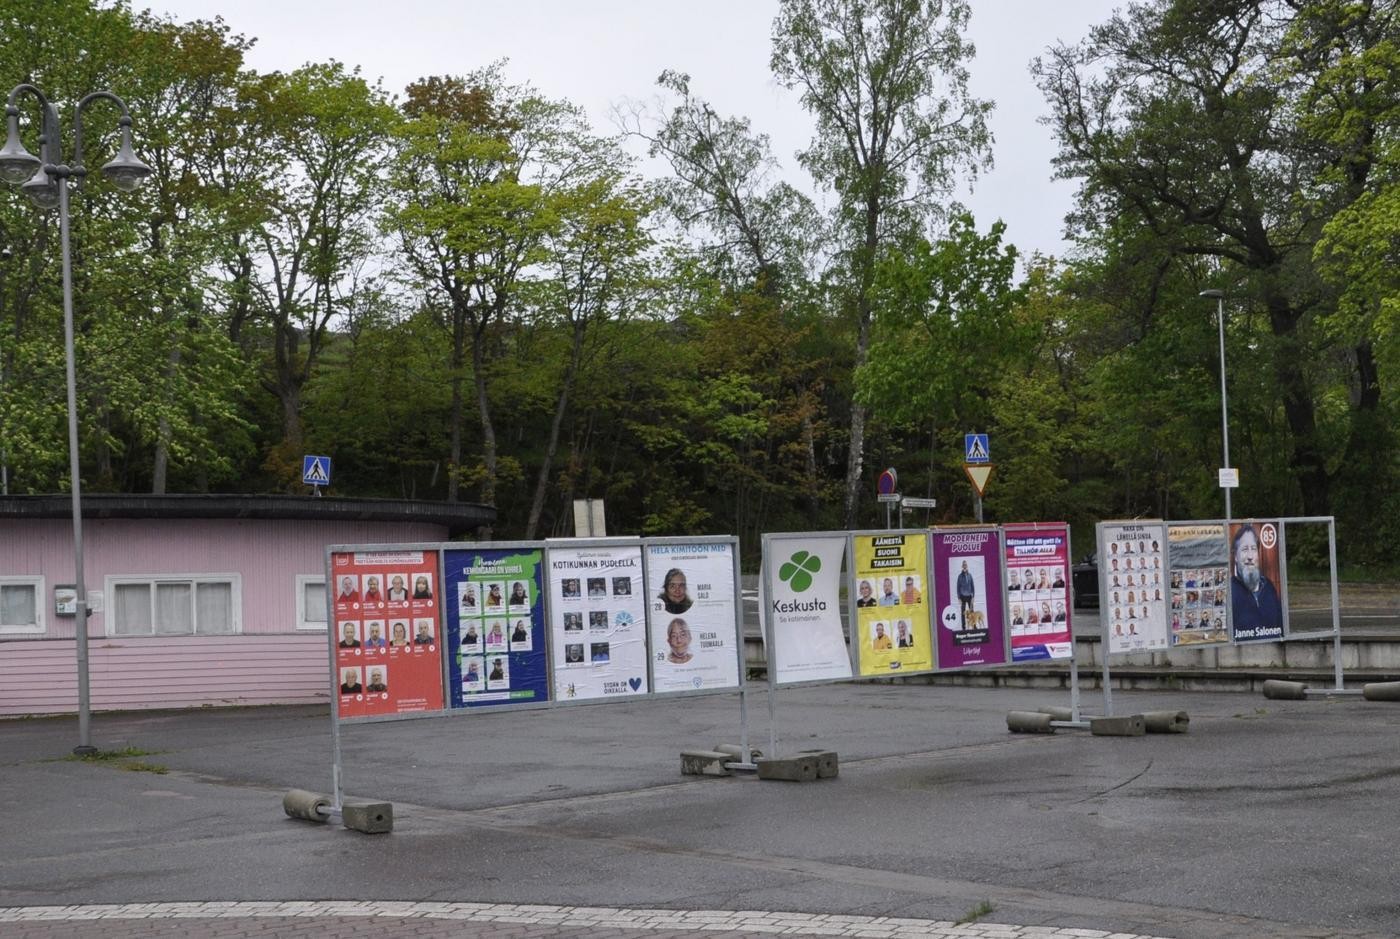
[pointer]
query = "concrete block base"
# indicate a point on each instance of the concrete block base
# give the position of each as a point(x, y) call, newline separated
point(793, 769)
point(1167, 722)
point(1131, 726)
point(1280, 690)
point(828, 765)
point(1029, 722)
point(736, 752)
point(1058, 714)
point(704, 763)
point(1381, 691)
point(372, 818)
point(312, 806)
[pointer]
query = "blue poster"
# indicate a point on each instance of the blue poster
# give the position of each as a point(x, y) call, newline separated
point(495, 627)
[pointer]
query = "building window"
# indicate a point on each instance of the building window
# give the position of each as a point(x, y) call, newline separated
point(195, 605)
point(311, 601)
point(21, 606)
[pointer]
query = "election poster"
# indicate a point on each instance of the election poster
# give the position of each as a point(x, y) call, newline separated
point(968, 596)
point(598, 622)
point(1257, 609)
point(1037, 592)
point(1198, 583)
point(1135, 618)
point(801, 597)
point(690, 595)
point(387, 633)
point(495, 627)
point(891, 608)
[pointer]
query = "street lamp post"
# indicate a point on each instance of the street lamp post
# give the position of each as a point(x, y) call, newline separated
point(1219, 297)
point(46, 181)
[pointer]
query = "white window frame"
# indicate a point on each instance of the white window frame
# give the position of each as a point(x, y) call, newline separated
point(304, 581)
point(112, 581)
point(41, 602)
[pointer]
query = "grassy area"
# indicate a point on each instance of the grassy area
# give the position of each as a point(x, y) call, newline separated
point(982, 909)
point(127, 758)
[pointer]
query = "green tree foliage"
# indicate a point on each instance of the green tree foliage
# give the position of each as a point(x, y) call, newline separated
point(886, 81)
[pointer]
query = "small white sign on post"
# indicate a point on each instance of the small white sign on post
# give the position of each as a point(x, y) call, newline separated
point(1229, 477)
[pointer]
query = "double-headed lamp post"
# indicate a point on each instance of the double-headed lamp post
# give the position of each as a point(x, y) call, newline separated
point(1219, 297)
point(46, 181)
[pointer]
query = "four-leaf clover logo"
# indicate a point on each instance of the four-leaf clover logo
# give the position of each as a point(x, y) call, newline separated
point(799, 569)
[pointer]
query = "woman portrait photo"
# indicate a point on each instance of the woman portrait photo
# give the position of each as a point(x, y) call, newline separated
point(471, 638)
point(468, 602)
point(520, 633)
point(573, 622)
point(867, 594)
point(678, 638)
point(398, 633)
point(372, 594)
point(674, 593)
point(493, 597)
point(348, 593)
point(518, 596)
point(422, 588)
point(397, 591)
point(569, 588)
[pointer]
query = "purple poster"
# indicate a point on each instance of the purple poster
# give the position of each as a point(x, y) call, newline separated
point(967, 590)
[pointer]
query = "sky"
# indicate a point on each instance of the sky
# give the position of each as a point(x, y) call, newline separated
point(601, 54)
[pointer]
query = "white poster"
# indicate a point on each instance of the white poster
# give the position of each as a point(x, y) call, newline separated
point(690, 597)
point(1133, 608)
point(802, 597)
point(598, 622)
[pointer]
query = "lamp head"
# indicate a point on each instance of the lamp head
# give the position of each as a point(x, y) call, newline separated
point(42, 190)
point(16, 163)
point(1212, 294)
point(126, 171)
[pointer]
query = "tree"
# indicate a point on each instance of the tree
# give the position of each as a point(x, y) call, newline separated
point(886, 81)
point(1182, 117)
point(474, 166)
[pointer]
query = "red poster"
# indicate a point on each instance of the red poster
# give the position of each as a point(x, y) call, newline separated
point(388, 654)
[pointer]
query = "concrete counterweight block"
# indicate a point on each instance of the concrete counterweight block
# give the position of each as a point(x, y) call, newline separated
point(1381, 691)
point(1130, 726)
point(1029, 722)
point(1279, 690)
point(372, 818)
point(793, 769)
point(312, 806)
point(1167, 722)
point(1058, 714)
point(828, 765)
point(704, 763)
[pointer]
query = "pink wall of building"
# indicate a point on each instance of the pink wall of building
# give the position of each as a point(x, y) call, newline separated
point(270, 661)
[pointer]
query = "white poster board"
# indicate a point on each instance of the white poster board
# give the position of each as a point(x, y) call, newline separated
point(597, 622)
point(801, 602)
point(1132, 622)
point(694, 634)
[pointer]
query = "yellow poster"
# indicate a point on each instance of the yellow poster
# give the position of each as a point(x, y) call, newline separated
point(892, 603)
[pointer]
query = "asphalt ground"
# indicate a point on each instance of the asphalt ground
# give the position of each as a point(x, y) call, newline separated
point(1268, 819)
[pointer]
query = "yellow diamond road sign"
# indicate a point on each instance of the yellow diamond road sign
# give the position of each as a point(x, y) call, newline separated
point(978, 473)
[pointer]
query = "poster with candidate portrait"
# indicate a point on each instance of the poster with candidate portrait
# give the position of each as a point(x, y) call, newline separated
point(971, 625)
point(1198, 583)
point(1258, 612)
point(495, 627)
point(800, 595)
point(891, 605)
point(1128, 554)
point(1037, 592)
point(597, 622)
point(690, 594)
point(386, 609)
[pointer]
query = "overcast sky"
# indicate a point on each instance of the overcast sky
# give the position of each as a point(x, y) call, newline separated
point(597, 53)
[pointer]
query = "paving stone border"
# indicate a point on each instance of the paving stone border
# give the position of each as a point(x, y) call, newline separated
point(571, 917)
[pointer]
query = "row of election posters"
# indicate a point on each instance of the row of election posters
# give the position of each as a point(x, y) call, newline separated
point(917, 601)
point(533, 624)
point(1165, 585)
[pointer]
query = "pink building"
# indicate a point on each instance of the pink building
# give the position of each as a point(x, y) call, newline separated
point(196, 600)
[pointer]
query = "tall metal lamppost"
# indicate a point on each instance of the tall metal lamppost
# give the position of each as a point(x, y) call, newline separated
point(1219, 297)
point(46, 182)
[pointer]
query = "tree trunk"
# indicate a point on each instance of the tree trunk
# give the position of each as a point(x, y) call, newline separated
point(162, 456)
point(560, 407)
point(488, 430)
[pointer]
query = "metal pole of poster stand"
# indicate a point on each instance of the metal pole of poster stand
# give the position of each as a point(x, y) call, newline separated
point(770, 651)
point(336, 784)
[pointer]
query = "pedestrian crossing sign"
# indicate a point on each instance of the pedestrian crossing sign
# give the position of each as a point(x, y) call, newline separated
point(316, 470)
point(977, 449)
